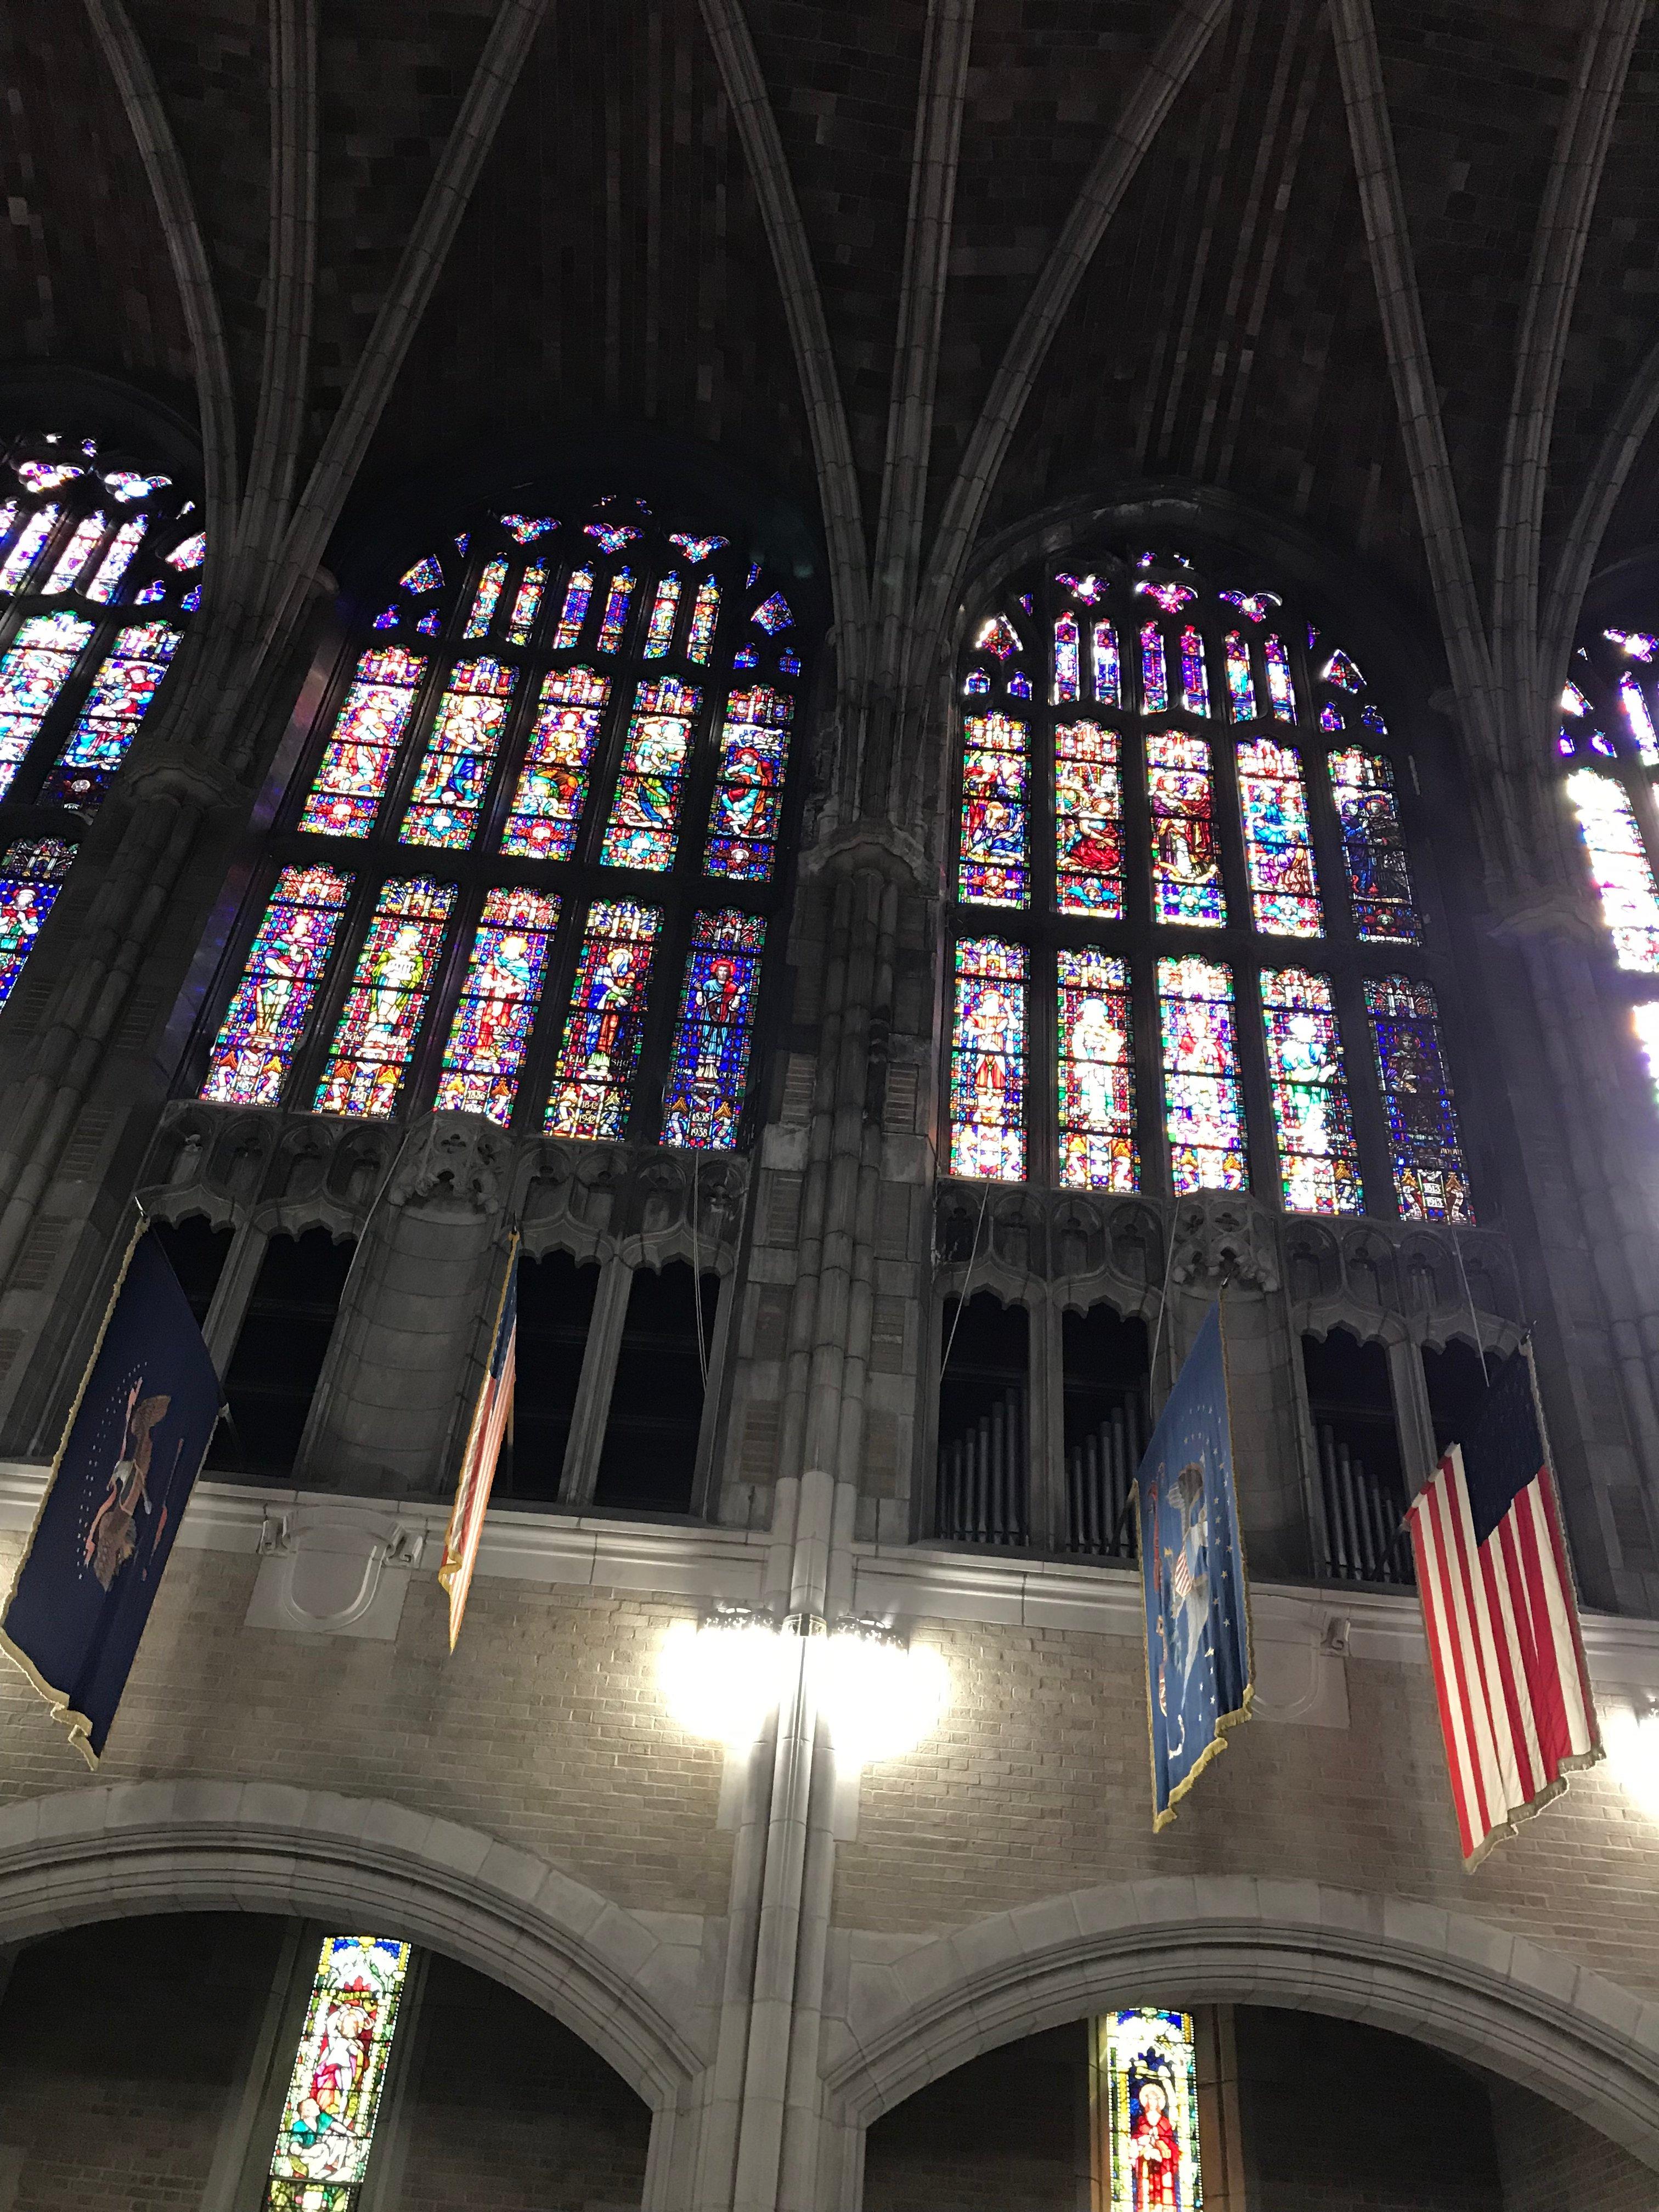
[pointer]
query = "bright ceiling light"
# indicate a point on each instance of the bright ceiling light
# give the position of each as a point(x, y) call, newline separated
point(722, 1677)
point(879, 1695)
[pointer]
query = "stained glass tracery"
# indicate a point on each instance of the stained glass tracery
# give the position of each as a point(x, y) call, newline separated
point(708, 1065)
point(333, 2101)
point(987, 1060)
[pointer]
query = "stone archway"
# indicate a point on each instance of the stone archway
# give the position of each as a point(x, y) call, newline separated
point(629, 1988)
point(1474, 1990)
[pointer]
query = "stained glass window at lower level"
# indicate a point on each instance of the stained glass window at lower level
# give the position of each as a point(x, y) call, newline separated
point(1203, 1097)
point(604, 1029)
point(1096, 1072)
point(987, 1060)
point(1318, 1158)
point(1143, 2091)
point(1430, 1181)
point(708, 1067)
point(491, 1028)
point(376, 1035)
point(333, 2101)
point(32, 872)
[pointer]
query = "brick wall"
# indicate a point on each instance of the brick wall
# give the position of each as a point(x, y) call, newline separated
point(120, 2045)
point(1552, 2162)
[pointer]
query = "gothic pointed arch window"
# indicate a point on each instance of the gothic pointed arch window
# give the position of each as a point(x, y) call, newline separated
point(531, 868)
point(1608, 742)
point(101, 567)
point(1190, 948)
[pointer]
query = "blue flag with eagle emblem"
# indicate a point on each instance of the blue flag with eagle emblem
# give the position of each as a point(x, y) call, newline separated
point(1192, 1575)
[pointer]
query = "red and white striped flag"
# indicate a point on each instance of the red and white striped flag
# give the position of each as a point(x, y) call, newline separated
point(1501, 1622)
point(483, 1447)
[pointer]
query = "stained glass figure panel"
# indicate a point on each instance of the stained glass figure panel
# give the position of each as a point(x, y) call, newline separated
point(33, 669)
point(14, 571)
point(1318, 1155)
point(1644, 1020)
point(1203, 1102)
point(339, 2074)
point(117, 560)
point(527, 605)
point(606, 1025)
point(1379, 878)
point(1185, 860)
point(1068, 656)
point(644, 824)
point(1430, 1181)
point(1194, 677)
point(83, 541)
point(357, 763)
point(376, 1035)
point(1096, 1072)
point(552, 786)
point(108, 723)
point(748, 802)
point(1088, 821)
point(1619, 863)
point(705, 613)
point(253, 1051)
point(708, 1063)
point(1154, 675)
point(615, 621)
point(1241, 685)
point(1108, 668)
point(1278, 843)
point(1281, 691)
point(32, 874)
point(1640, 721)
point(490, 1030)
point(574, 613)
point(993, 869)
point(987, 1062)
point(487, 599)
point(660, 630)
point(453, 775)
point(1145, 2078)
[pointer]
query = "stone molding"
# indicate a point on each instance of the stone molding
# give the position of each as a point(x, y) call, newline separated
point(629, 1988)
point(1446, 1978)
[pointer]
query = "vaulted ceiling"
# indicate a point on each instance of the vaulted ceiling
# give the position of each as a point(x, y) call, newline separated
point(675, 197)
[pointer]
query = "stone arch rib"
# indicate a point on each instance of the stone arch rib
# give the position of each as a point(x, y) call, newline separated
point(94, 1854)
point(1467, 1986)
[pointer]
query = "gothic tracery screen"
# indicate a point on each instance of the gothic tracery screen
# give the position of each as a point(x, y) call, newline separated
point(1179, 810)
point(538, 850)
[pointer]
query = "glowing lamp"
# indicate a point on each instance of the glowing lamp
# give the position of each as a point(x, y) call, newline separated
point(722, 1677)
point(878, 1696)
point(1632, 1738)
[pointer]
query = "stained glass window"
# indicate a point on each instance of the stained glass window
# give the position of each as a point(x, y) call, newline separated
point(1096, 1072)
point(616, 611)
point(660, 631)
point(33, 671)
point(708, 1066)
point(26, 551)
point(487, 597)
point(86, 536)
point(339, 2074)
point(1145, 2085)
point(644, 820)
point(993, 870)
point(705, 612)
point(1067, 653)
point(254, 1050)
point(987, 1062)
point(1154, 676)
point(32, 874)
point(1278, 844)
point(1379, 878)
point(577, 593)
point(1429, 1181)
point(1640, 721)
point(753, 758)
point(1619, 865)
point(1185, 862)
point(119, 699)
point(346, 795)
point(552, 786)
point(1204, 1105)
point(604, 1029)
point(491, 1028)
point(118, 559)
point(1318, 1156)
point(454, 772)
point(1645, 1019)
point(527, 605)
point(1194, 678)
point(1241, 687)
point(376, 1035)
point(1109, 675)
point(1281, 691)
point(1088, 821)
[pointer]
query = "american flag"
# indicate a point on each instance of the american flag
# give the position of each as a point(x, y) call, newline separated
point(483, 1447)
point(1516, 1708)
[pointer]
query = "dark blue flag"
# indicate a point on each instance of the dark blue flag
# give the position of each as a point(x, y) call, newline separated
point(1191, 1573)
point(124, 1474)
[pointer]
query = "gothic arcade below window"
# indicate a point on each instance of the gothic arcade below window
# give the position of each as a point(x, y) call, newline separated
point(532, 871)
point(1189, 949)
point(99, 569)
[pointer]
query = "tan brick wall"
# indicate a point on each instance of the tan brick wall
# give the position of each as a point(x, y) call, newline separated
point(545, 1730)
point(1552, 2162)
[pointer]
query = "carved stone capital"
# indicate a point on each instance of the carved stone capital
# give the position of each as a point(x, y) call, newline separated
point(451, 1163)
point(1225, 1236)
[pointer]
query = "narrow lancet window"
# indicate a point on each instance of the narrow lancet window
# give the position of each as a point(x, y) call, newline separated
point(374, 1039)
point(119, 699)
point(552, 786)
point(33, 669)
point(1318, 1157)
point(987, 1060)
point(357, 765)
point(334, 2092)
point(32, 874)
point(708, 1067)
point(1185, 862)
point(1204, 1103)
point(644, 825)
point(606, 1025)
point(450, 785)
point(1620, 864)
point(253, 1053)
point(491, 1028)
point(994, 867)
point(1278, 843)
point(1379, 878)
point(1096, 1072)
point(754, 759)
point(1430, 1181)
point(1088, 821)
